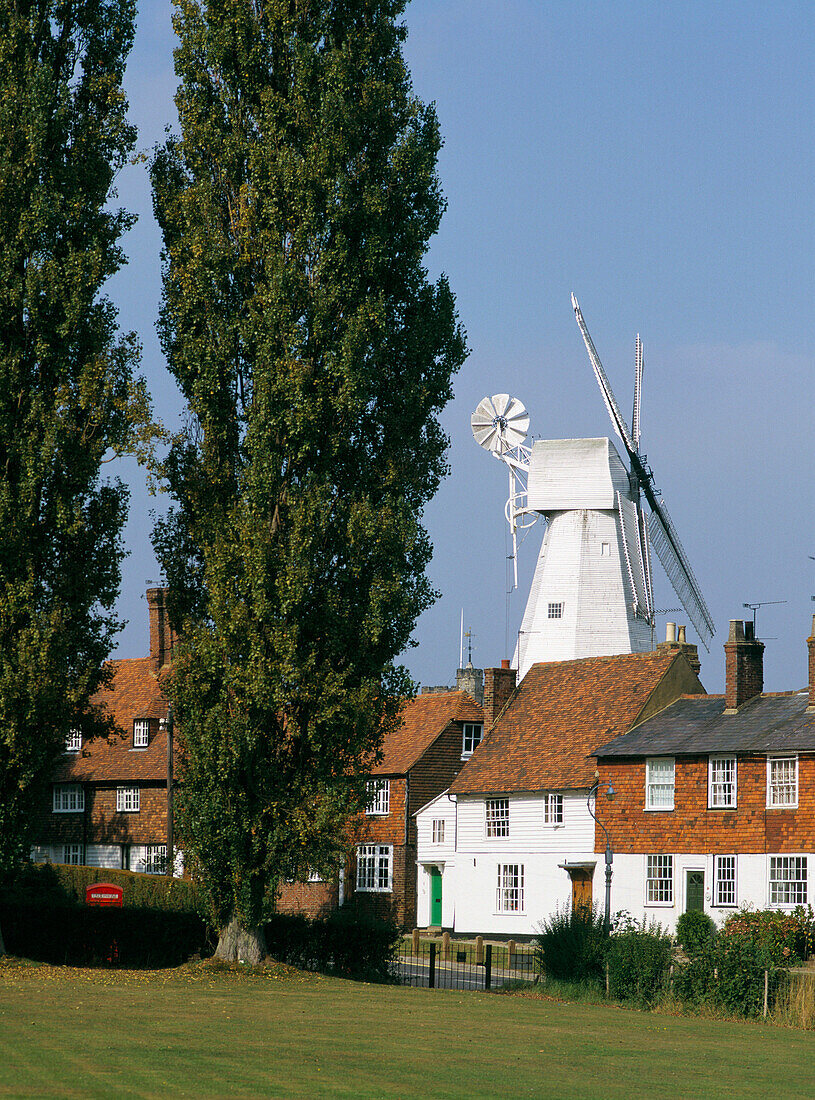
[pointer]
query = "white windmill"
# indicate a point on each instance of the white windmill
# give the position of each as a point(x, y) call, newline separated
point(592, 592)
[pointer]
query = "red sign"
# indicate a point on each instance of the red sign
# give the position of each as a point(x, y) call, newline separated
point(103, 893)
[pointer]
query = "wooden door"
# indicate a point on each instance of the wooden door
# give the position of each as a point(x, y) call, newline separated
point(694, 891)
point(581, 889)
point(435, 897)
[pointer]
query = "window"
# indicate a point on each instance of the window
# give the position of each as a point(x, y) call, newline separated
point(556, 610)
point(659, 783)
point(659, 880)
point(497, 817)
point(724, 880)
point(721, 782)
point(788, 880)
point(141, 734)
point(782, 781)
point(314, 876)
point(73, 742)
point(379, 793)
point(127, 799)
point(553, 809)
point(473, 732)
point(69, 798)
point(605, 549)
point(72, 853)
point(156, 862)
point(374, 868)
point(438, 831)
point(510, 892)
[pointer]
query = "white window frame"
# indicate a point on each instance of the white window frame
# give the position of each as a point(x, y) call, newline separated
point(438, 830)
point(555, 610)
point(141, 733)
point(73, 742)
point(155, 859)
point(314, 876)
point(652, 785)
point(722, 782)
point(375, 869)
point(659, 887)
point(788, 881)
point(496, 824)
point(725, 886)
point(128, 800)
point(72, 854)
point(773, 787)
point(553, 809)
point(379, 797)
point(68, 798)
point(471, 738)
point(509, 893)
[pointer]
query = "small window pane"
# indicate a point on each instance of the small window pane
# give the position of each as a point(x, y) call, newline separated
point(378, 791)
point(556, 610)
point(497, 817)
point(659, 887)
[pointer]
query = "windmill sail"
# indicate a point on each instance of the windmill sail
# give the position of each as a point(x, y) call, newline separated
point(675, 563)
point(660, 526)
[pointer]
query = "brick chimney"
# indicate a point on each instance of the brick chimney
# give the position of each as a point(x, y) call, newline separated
point(744, 665)
point(162, 636)
point(499, 684)
point(811, 648)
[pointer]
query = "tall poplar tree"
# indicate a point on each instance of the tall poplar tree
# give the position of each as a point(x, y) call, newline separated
point(315, 355)
point(68, 396)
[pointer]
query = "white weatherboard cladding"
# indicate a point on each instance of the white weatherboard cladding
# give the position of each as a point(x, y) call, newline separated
point(575, 473)
point(591, 581)
point(103, 855)
point(441, 856)
point(540, 849)
point(752, 885)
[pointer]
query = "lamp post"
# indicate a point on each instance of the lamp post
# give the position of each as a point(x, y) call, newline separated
point(610, 793)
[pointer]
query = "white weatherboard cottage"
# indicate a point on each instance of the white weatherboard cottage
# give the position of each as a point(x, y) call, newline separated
point(523, 836)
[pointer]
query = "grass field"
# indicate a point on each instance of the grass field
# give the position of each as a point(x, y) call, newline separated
point(200, 1031)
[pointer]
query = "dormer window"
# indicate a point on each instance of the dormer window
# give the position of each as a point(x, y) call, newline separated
point(473, 732)
point(73, 742)
point(141, 733)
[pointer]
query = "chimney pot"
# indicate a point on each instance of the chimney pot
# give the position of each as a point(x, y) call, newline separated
point(670, 632)
point(680, 636)
point(505, 662)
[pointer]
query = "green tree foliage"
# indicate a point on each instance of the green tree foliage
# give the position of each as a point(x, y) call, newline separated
point(68, 397)
point(315, 355)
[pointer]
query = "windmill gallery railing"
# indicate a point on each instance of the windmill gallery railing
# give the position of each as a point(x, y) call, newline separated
point(470, 964)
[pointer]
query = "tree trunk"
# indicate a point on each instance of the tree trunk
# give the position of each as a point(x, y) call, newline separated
point(2, 945)
point(239, 944)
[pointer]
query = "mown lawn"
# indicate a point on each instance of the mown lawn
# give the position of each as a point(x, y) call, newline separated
point(202, 1032)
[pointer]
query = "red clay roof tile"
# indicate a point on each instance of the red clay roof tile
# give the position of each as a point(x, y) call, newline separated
point(424, 718)
point(560, 712)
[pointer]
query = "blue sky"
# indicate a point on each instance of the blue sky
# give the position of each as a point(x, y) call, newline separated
point(657, 160)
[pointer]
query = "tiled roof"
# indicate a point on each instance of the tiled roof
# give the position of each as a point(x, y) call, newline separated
point(134, 693)
point(423, 720)
point(555, 719)
point(694, 724)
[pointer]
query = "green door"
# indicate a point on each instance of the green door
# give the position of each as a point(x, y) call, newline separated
point(694, 891)
point(435, 897)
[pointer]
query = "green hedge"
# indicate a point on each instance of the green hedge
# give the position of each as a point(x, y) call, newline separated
point(571, 944)
point(347, 942)
point(639, 962)
point(62, 884)
point(89, 936)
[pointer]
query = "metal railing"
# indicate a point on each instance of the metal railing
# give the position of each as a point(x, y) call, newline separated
point(465, 965)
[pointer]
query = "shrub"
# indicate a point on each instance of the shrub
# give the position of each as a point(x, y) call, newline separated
point(571, 945)
point(75, 935)
point(695, 931)
point(347, 942)
point(639, 961)
point(782, 937)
